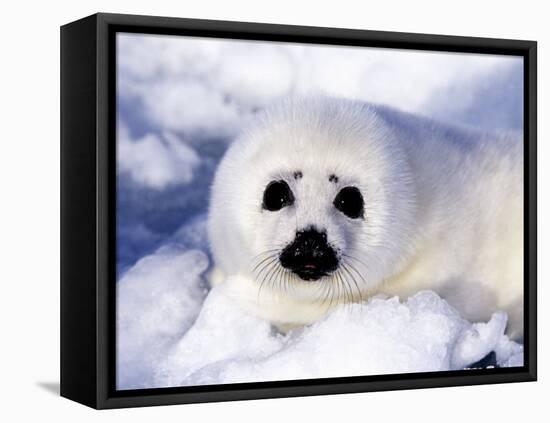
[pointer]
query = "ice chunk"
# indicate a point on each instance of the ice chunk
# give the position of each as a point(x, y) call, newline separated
point(478, 340)
point(157, 301)
point(382, 336)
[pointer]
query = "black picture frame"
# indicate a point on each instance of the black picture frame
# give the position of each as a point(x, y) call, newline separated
point(88, 219)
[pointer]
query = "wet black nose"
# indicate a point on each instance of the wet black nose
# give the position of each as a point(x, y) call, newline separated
point(309, 256)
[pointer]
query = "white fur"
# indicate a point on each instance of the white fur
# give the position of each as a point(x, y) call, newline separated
point(443, 211)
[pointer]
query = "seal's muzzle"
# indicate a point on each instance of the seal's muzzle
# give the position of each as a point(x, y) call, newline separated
point(309, 256)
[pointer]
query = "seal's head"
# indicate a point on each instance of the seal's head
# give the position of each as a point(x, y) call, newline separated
point(313, 200)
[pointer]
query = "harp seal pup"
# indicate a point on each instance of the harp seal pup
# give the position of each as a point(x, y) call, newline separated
point(322, 201)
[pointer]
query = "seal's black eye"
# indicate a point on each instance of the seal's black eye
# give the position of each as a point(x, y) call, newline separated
point(277, 195)
point(350, 202)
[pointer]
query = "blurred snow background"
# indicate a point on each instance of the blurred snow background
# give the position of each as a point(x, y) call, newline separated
point(181, 101)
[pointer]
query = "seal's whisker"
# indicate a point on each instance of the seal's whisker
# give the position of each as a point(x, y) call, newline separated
point(269, 267)
point(264, 266)
point(273, 271)
point(345, 269)
point(332, 291)
point(260, 290)
point(263, 253)
point(276, 281)
point(329, 294)
point(263, 261)
point(348, 286)
point(357, 272)
point(355, 258)
point(340, 285)
point(286, 279)
point(325, 292)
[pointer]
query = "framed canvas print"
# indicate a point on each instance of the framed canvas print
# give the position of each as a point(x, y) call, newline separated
point(255, 211)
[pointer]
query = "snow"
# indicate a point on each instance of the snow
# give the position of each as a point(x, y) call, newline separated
point(155, 161)
point(170, 334)
point(209, 86)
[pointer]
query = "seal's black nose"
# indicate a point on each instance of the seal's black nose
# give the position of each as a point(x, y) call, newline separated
point(309, 256)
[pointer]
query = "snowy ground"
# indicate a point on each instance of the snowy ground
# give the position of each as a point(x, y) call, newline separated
point(181, 102)
point(171, 332)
